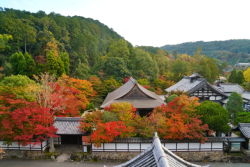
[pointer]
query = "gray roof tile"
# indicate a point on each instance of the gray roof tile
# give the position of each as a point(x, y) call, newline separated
point(67, 125)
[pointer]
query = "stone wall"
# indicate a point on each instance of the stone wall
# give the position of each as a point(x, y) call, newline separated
point(188, 156)
point(29, 154)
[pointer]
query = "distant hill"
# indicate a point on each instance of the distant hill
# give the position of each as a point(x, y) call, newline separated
point(230, 51)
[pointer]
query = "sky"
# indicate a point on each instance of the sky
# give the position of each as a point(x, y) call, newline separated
point(155, 22)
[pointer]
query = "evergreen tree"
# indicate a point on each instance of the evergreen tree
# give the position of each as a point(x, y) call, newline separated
point(30, 65)
point(65, 59)
point(233, 76)
point(22, 66)
point(235, 105)
point(61, 67)
point(52, 64)
point(14, 63)
point(82, 71)
point(240, 78)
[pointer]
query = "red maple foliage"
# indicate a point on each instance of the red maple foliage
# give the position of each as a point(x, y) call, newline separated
point(125, 79)
point(25, 124)
point(106, 132)
point(182, 120)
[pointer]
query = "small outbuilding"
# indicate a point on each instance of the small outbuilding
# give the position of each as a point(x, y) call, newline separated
point(244, 128)
point(132, 92)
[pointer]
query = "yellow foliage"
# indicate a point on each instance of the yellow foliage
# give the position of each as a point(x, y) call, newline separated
point(247, 74)
point(52, 46)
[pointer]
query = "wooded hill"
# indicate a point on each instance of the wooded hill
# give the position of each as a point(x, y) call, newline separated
point(230, 51)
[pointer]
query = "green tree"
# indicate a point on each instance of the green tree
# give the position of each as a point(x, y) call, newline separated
point(82, 71)
point(116, 66)
point(233, 76)
point(16, 80)
point(179, 68)
point(54, 65)
point(108, 86)
point(22, 66)
point(142, 65)
point(119, 49)
point(242, 117)
point(65, 59)
point(215, 116)
point(171, 98)
point(14, 63)
point(30, 65)
point(235, 105)
point(240, 78)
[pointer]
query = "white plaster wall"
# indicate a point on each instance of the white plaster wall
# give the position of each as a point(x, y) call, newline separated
point(206, 147)
point(170, 146)
point(122, 146)
point(134, 146)
point(217, 146)
point(145, 146)
point(194, 146)
point(182, 146)
point(109, 146)
point(96, 148)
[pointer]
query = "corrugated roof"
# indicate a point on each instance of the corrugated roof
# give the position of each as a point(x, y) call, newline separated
point(116, 96)
point(67, 125)
point(157, 155)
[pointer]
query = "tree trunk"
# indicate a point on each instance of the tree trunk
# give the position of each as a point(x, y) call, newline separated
point(218, 134)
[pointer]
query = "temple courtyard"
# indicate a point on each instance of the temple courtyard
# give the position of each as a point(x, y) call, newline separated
point(50, 163)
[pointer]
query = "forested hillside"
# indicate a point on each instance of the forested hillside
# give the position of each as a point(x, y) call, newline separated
point(230, 51)
point(83, 48)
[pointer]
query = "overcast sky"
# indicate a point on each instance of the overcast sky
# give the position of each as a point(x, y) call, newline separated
point(155, 22)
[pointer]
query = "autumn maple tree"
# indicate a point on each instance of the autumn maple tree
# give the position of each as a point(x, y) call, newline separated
point(115, 121)
point(21, 122)
point(182, 120)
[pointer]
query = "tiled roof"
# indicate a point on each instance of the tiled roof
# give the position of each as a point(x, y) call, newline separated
point(157, 155)
point(244, 128)
point(229, 88)
point(67, 125)
point(116, 96)
point(189, 85)
point(149, 140)
point(185, 84)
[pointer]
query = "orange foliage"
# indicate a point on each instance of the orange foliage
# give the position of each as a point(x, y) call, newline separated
point(1, 153)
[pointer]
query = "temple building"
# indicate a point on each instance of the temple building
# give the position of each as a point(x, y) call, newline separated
point(244, 128)
point(197, 86)
point(132, 92)
point(157, 155)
